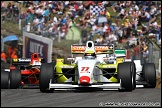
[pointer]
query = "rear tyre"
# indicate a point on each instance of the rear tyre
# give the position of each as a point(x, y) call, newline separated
point(149, 73)
point(4, 80)
point(125, 76)
point(15, 78)
point(46, 73)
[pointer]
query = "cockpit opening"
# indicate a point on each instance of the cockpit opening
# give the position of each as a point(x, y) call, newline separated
point(35, 56)
point(89, 55)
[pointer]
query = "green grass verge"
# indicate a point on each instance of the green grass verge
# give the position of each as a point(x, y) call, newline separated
point(11, 27)
point(65, 44)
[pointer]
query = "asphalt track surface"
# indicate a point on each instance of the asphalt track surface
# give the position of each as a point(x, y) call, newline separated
point(34, 98)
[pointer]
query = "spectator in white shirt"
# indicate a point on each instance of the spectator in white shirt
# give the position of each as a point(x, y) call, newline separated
point(122, 13)
point(138, 12)
point(66, 3)
point(132, 40)
point(154, 23)
point(130, 9)
point(152, 11)
point(105, 28)
point(92, 21)
point(55, 19)
point(39, 12)
point(35, 21)
point(62, 34)
point(94, 27)
point(112, 38)
point(136, 7)
point(81, 6)
point(50, 29)
point(147, 16)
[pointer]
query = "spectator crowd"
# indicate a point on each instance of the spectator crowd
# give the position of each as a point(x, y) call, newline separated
point(54, 18)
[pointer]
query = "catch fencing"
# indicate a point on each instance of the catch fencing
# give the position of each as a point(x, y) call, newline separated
point(154, 54)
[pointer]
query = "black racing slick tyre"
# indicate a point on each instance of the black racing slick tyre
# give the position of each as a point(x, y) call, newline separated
point(15, 78)
point(149, 74)
point(133, 66)
point(46, 73)
point(125, 76)
point(4, 80)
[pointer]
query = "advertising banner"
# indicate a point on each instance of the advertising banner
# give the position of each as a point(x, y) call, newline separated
point(33, 43)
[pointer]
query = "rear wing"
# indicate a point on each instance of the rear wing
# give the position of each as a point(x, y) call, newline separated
point(24, 61)
point(100, 49)
point(120, 53)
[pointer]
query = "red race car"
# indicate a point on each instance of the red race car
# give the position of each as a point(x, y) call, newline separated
point(23, 73)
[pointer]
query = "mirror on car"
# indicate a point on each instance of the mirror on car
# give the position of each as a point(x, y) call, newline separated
point(70, 59)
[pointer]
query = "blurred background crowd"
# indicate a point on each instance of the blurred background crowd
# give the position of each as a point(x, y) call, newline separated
point(127, 24)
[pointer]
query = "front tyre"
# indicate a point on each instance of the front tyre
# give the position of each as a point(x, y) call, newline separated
point(46, 73)
point(125, 76)
point(133, 69)
point(15, 78)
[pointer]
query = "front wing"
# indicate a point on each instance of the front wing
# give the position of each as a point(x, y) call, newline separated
point(109, 85)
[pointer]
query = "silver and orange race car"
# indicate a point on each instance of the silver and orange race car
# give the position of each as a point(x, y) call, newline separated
point(99, 67)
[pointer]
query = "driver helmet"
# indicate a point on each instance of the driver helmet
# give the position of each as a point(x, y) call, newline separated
point(90, 55)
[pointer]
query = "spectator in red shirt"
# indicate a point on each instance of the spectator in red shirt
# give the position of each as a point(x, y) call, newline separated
point(136, 52)
point(76, 7)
